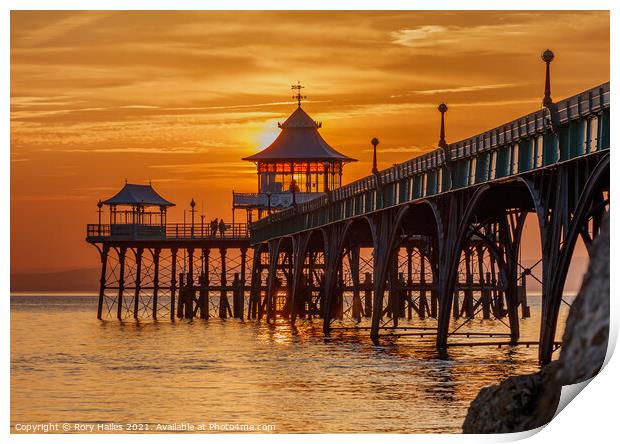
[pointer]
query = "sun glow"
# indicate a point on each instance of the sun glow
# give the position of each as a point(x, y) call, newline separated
point(265, 136)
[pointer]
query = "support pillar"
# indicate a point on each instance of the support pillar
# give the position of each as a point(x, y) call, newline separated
point(354, 265)
point(256, 284)
point(525, 309)
point(224, 309)
point(156, 254)
point(486, 296)
point(203, 296)
point(102, 280)
point(244, 260)
point(368, 286)
point(181, 300)
point(138, 282)
point(468, 294)
point(173, 282)
point(121, 283)
point(189, 288)
point(409, 292)
point(422, 301)
point(237, 297)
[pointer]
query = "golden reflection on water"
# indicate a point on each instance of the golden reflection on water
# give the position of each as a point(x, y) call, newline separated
point(68, 367)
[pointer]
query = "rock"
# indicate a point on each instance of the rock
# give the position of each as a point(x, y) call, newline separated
point(509, 406)
point(529, 401)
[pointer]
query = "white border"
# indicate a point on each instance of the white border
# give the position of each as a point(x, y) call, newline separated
point(592, 418)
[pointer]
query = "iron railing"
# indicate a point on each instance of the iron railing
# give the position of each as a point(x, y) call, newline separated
point(236, 231)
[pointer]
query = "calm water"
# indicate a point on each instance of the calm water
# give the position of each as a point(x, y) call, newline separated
point(68, 367)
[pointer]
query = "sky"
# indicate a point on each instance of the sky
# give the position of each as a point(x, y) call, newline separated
point(178, 98)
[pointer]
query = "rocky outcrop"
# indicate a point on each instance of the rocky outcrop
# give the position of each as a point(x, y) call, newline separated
point(526, 402)
point(515, 404)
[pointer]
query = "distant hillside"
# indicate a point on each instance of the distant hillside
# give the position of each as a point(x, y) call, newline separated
point(85, 279)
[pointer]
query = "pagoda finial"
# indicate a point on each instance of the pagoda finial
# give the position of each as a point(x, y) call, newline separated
point(298, 96)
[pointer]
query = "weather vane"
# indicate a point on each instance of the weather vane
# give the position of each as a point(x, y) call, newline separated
point(298, 96)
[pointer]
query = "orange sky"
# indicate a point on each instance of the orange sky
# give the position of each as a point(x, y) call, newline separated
point(180, 97)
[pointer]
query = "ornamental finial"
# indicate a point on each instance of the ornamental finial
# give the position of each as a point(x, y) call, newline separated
point(298, 96)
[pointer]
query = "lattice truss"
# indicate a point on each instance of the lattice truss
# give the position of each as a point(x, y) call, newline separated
point(146, 283)
point(355, 289)
point(258, 289)
point(311, 292)
point(410, 286)
point(483, 276)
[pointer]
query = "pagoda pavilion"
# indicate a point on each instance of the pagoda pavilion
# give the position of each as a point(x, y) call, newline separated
point(131, 215)
point(298, 166)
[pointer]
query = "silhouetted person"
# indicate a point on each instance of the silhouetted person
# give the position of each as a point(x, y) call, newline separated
point(222, 227)
point(213, 227)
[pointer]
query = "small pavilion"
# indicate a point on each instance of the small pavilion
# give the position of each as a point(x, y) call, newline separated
point(131, 206)
point(298, 166)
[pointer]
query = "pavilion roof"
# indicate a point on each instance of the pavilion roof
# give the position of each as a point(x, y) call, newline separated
point(299, 140)
point(133, 194)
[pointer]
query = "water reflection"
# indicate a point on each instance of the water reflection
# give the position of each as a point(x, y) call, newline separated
point(67, 366)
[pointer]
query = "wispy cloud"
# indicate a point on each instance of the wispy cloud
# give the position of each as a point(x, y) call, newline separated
point(459, 38)
point(229, 169)
point(61, 27)
point(141, 150)
point(460, 89)
point(413, 149)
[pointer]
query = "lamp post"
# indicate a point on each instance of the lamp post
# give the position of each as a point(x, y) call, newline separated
point(268, 193)
point(293, 186)
point(547, 57)
point(99, 209)
point(325, 176)
point(443, 109)
point(192, 204)
point(374, 143)
point(443, 145)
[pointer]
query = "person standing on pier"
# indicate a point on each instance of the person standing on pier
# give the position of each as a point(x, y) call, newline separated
point(213, 227)
point(222, 227)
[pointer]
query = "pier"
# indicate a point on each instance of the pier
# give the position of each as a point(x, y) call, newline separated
point(434, 239)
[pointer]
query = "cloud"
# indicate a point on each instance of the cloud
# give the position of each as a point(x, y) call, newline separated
point(60, 27)
point(460, 89)
point(458, 38)
point(225, 169)
point(141, 150)
point(413, 149)
point(383, 109)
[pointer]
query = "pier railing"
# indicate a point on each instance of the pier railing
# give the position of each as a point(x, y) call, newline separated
point(102, 232)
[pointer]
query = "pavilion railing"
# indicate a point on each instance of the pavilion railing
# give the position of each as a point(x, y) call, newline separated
point(273, 200)
point(236, 231)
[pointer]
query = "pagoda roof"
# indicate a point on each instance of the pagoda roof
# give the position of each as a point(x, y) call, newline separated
point(299, 140)
point(133, 194)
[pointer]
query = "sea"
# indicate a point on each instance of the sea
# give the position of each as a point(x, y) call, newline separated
point(71, 373)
